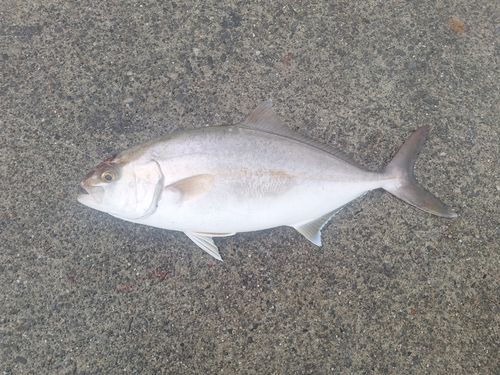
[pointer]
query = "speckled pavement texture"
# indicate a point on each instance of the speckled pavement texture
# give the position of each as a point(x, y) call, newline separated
point(393, 290)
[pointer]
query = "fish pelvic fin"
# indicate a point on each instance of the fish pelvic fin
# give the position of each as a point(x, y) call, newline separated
point(407, 188)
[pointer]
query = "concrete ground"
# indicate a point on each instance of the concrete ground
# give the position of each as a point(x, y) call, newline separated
point(393, 290)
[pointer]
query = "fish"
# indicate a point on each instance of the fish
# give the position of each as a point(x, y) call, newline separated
point(257, 174)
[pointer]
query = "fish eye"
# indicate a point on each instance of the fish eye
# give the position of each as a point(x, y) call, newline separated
point(108, 176)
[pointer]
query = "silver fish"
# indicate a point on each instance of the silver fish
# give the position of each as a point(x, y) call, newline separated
point(257, 174)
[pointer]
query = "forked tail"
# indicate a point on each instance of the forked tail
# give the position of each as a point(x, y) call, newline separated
point(406, 187)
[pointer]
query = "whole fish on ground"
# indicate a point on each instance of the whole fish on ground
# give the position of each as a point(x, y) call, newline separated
point(257, 174)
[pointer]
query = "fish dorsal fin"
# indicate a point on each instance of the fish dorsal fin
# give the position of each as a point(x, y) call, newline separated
point(264, 119)
point(205, 242)
point(312, 229)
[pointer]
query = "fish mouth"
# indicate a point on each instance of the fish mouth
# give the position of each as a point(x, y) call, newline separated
point(81, 190)
point(90, 194)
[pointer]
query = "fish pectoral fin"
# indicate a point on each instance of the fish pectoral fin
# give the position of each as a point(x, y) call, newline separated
point(191, 188)
point(206, 242)
point(312, 229)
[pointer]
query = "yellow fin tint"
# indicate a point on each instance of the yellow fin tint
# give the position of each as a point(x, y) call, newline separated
point(192, 188)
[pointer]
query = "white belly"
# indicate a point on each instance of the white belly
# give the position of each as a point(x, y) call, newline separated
point(235, 205)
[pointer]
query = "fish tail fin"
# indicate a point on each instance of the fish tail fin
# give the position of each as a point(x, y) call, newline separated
point(406, 187)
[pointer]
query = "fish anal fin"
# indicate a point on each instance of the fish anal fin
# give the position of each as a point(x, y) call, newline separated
point(312, 229)
point(191, 188)
point(205, 242)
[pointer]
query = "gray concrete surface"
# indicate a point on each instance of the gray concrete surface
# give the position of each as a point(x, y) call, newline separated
point(393, 290)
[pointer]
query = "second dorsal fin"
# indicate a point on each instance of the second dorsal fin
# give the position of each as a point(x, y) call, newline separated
point(264, 119)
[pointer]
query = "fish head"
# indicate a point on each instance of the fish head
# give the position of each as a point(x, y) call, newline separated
point(128, 189)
